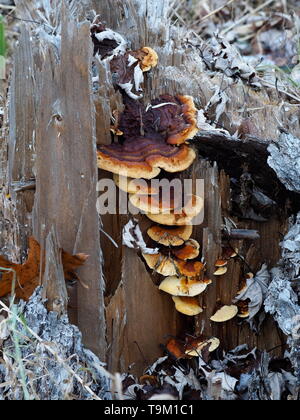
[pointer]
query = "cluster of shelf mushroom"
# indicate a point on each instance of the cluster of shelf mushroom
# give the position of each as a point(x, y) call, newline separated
point(150, 139)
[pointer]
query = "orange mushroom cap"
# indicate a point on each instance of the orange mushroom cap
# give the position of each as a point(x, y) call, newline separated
point(170, 236)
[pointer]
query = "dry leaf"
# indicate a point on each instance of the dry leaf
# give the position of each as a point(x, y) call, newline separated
point(27, 275)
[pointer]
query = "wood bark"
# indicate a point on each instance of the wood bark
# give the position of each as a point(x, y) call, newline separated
point(53, 137)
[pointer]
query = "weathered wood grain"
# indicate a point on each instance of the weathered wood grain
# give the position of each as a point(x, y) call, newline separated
point(66, 173)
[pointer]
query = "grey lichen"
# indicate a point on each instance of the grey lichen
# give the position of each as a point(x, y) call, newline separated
point(54, 362)
point(285, 160)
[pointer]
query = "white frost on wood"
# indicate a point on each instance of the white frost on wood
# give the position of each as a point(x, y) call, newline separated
point(284, 159)
point(133, 238)
point(256, 291)
point(48, 377)
point(282, 300)
point(114, 36)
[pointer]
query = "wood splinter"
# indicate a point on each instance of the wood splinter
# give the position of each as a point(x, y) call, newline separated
point(250, 234)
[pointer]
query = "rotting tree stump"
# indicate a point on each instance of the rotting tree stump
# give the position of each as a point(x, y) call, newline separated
point(49, 179)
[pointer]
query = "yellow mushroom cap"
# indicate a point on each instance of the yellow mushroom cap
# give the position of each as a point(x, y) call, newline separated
point(194, 349)
point(182, 286)
point(187, 305)
point(225, 313)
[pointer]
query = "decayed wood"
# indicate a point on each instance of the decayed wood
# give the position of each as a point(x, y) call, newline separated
point(54, 286)
point(139, 318)
point(16, 205)
point(66, 173)
point(182, 70)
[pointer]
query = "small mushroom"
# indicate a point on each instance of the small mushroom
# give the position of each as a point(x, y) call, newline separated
point(170, 236)
point(228, 252)
point(187, 305)
point(189, 251)
point(107, 43)
point(190, 268)
point(221, 263)
point(243, 307)
point(176, 348)
point(225, 313)
point(147, 58)
point(183, 217)
point(195, 347)
point(162, 264)
point(183, 286)
point(220, 271)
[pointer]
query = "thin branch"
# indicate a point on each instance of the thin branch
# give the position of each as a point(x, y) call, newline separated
point(242, 19)
point(214, 12)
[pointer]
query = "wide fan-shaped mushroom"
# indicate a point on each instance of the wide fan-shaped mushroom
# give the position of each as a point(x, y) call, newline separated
point(184, 286)
point(187, 305)
point(173, 118)
point(182, 217)
point(144, 157)
point(170, 236)
point(134, 186)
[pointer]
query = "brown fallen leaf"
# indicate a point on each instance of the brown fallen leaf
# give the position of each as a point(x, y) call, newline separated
point(27, 275)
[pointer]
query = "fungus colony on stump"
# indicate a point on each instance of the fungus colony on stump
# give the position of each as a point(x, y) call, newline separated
point(151, 138)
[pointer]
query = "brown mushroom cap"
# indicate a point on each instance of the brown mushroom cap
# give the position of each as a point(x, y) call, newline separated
point(144, 158)
point(221, 271)
point(162, 264)
point(187, 305)
point(171, 118)
point(170, 236)
point(156, 204)
point(133, 186)
point(228, 252)
point(190, 268)
point(147, 58)
point(195, 347)
point(189, 113)
point(243, 307)
point(221, 263)
point(183, 286)
point(183, 217)
point(189, 251)
point(225, 313)
point(176, 348)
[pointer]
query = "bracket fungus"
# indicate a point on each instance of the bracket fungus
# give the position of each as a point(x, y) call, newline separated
point(161, 264)
point(156, 204)
point(180, 217)
point(166, 264)
point(171, 118)
point(187, 305)
point(196, 345)
point(221, 271)
point(183, 286)
point(127, 67)
point(243, 309)
point(144, 157)
point(189, 251)
point(224, 314)
point(170, 236)
point(134, 186)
